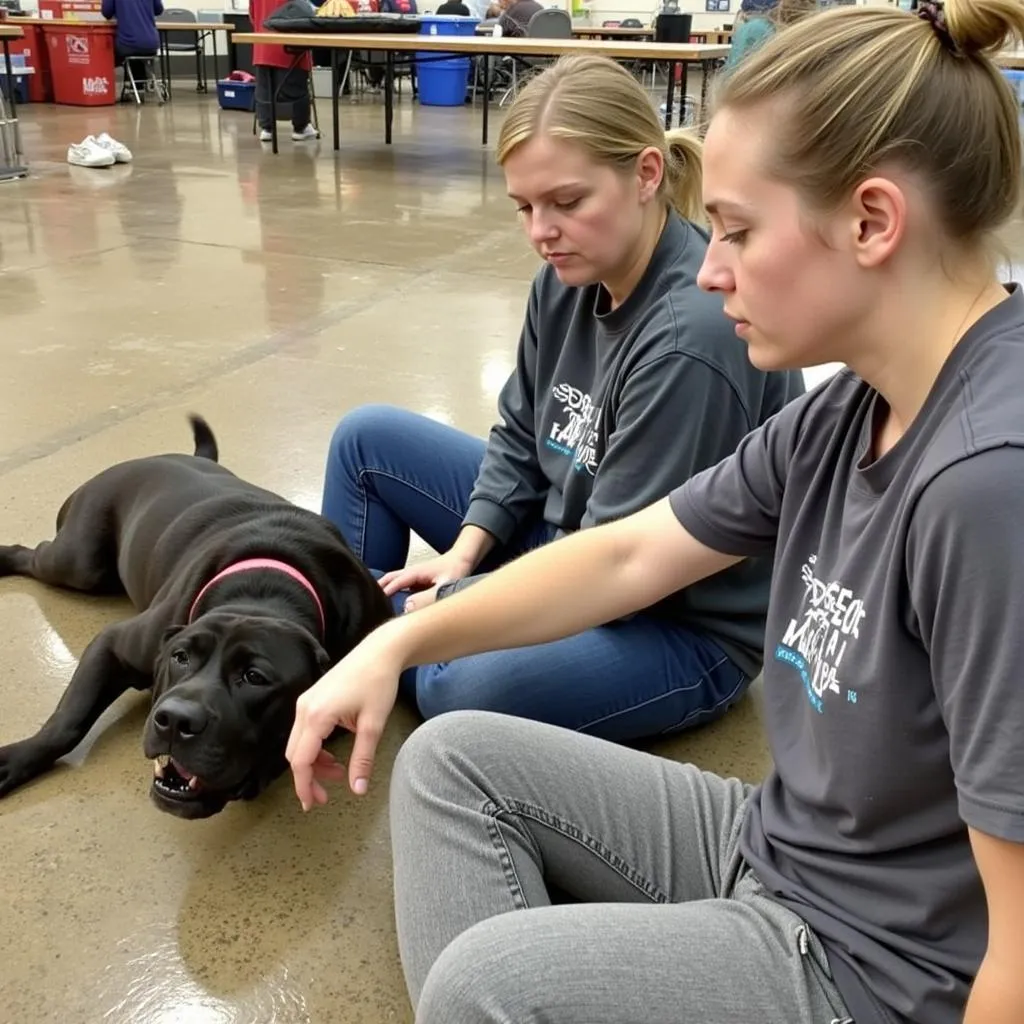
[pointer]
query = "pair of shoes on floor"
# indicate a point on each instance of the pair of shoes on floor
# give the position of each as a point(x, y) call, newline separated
point(308, 133)
point(98, 151)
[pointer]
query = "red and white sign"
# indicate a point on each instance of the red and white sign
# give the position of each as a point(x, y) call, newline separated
point(78, 49)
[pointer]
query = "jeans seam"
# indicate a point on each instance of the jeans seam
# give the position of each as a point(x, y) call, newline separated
point(671, 693)
point(369, 471)
point(505, 858)
point(584, 839)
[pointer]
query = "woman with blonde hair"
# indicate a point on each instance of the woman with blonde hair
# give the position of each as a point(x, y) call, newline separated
point(629, 380)
point(857, 172)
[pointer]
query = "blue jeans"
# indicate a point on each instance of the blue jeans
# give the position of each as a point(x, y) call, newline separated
point(390, 471)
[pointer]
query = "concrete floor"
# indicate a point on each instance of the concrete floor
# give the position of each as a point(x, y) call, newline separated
point(271, 295)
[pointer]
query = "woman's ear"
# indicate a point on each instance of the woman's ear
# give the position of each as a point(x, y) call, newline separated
point(650, 169)
point(878, 220)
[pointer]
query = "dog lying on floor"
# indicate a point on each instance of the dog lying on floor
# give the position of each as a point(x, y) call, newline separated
point(243, 601)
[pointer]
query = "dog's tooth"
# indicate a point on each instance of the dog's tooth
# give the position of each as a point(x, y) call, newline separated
point(193, 782)
point(158, 768)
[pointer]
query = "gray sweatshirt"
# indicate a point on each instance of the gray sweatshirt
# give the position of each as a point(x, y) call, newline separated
point(609, 410)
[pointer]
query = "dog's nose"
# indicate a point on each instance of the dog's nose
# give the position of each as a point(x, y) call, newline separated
point(179, 719)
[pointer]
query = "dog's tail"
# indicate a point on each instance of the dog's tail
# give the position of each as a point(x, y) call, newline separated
point(206, 443)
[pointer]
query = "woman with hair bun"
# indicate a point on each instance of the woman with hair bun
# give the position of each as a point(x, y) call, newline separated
point(857, 171)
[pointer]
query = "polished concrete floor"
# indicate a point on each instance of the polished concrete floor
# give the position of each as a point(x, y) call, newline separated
point(271, 295)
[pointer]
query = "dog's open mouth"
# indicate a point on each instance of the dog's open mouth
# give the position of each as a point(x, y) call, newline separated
point(173, 780)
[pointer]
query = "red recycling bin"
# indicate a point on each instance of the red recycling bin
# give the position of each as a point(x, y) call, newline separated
point(33, 47)
point(82, 63)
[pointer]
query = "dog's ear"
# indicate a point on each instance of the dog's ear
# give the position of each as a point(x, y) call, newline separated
point(323, 659)
point(169, 633)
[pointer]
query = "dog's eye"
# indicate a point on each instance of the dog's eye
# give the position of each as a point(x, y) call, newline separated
point(253, 677)
point(180, 657)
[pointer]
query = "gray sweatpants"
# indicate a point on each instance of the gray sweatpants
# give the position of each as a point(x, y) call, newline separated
point(659, 919)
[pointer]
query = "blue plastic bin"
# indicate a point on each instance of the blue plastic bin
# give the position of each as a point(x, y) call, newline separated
point(236, 95)
point(443, 78)
point(20, 82)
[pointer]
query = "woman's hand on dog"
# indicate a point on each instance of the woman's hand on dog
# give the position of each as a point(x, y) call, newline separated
point(357, 694)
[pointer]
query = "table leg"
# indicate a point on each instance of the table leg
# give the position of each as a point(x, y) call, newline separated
point(335, 89)
point(707, 66)
point(165, 65)
point(671, 94)
point(389, 94)
point(216, 57)
point(487, 92)
point(9, 82)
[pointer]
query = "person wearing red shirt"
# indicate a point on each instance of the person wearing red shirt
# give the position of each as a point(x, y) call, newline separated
point(279, 73)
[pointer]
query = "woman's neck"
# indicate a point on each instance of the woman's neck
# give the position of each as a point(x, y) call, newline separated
point(922, 326)
point(621, 285)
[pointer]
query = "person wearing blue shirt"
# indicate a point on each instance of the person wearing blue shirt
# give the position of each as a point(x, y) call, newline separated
point(137, 35)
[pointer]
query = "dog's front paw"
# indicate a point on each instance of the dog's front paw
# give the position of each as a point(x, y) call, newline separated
point(18, 764)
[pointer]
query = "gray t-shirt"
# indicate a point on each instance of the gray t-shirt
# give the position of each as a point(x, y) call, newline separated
point(609, 410)
point(894, 656)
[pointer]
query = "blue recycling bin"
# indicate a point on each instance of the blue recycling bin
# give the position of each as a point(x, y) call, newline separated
point(443, 78)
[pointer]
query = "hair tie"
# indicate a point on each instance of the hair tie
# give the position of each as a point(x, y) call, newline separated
point(934, 13)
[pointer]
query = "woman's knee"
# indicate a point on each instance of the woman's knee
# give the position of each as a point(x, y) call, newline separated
point(365, 429)
point(462, 685)
point(424, 759)
point(476, 979)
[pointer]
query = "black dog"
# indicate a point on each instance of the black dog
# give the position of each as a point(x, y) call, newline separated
point(244, 600)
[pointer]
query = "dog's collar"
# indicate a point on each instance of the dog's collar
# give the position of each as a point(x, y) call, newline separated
point(248, 564)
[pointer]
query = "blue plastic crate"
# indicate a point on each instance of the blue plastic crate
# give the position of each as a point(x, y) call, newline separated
point(237, 95)
point(20, 83)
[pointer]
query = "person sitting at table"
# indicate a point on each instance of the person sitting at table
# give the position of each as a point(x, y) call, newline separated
point(282, 75)
point(136, 35)
point(515, 16)
point(454, 7)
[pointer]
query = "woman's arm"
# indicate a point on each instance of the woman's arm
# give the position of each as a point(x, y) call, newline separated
point(580, 581)
point(511, 483)
point(997, 996)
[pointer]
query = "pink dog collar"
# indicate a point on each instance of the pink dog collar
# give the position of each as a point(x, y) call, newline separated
point(248, 564)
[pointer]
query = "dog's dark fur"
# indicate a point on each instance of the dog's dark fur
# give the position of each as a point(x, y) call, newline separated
point(223, 688)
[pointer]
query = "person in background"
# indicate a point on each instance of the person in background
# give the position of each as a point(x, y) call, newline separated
point(281, 74)
point(758, 22)
point(454, 7)
point(514, 15)
point(628, 380)
point(136, 34)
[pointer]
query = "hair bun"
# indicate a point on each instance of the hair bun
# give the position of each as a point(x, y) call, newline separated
point(983, 26)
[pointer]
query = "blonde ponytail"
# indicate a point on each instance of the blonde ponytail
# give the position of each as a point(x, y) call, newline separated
point(683, 181)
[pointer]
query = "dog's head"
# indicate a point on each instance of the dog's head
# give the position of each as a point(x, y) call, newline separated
point(224, 693)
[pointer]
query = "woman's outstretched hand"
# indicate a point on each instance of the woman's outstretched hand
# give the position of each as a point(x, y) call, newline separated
point(357, 694)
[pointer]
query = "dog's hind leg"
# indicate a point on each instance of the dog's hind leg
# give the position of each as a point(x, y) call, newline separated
point(83, 554)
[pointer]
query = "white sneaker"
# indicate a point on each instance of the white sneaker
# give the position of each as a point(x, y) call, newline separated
point(307, 133)
point(122, 154)
point(88, 153)
point(266, 135)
